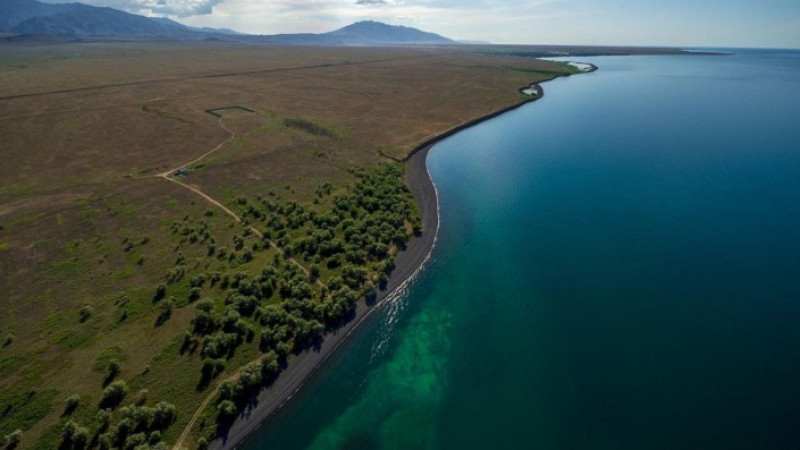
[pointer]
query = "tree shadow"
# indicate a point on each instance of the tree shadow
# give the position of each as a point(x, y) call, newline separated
point(163, 317)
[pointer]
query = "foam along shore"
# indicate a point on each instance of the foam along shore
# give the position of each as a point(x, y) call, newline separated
point(408, 264)
point(583, 67)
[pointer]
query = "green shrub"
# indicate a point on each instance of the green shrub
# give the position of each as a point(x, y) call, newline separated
point(85, 313)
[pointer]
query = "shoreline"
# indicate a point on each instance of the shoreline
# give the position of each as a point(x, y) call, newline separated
point(408, 264)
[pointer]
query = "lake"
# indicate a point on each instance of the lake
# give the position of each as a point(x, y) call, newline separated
point(618, 267)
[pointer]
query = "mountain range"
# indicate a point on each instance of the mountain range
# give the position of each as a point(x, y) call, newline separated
point(79, 22)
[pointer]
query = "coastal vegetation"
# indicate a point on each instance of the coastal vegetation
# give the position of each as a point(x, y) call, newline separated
point(129, 300)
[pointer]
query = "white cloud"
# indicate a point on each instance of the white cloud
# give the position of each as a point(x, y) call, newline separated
point(174, 8)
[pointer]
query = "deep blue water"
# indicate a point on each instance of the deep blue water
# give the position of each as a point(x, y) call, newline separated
point(618, 268)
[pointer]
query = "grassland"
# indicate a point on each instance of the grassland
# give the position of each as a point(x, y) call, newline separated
point(88, 231)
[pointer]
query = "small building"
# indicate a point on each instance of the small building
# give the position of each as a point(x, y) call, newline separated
point(181, 172)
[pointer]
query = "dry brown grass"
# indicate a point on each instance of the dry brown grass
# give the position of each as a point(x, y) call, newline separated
point(84, 128)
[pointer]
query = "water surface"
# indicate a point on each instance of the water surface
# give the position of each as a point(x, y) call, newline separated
point(617, 269)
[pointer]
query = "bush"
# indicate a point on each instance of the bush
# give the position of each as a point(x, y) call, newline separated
point(85, 313)
point(141, 398)
point(194, 293)
point(161, 292)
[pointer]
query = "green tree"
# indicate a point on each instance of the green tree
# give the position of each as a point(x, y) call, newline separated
point(113, 394)
point(113, 369)
point(12, 440)
point(72, 403)
point(227, 409)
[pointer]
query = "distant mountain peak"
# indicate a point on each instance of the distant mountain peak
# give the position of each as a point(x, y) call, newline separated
point(379, 32)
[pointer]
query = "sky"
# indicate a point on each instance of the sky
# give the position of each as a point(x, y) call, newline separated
point(686, 23)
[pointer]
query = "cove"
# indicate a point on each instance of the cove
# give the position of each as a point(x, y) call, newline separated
point(617, 268)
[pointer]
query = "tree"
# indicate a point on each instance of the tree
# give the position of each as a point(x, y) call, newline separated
point(166, 311)
point(103, 417)
point(74, 436)
point(164, 414)
point(68, 430)
point(72, 403)
point(80, 438)
point(114, 394)
point(113, 369)
point(154, 438)
point(135, 440)
point(13, 439)
point(227, 409)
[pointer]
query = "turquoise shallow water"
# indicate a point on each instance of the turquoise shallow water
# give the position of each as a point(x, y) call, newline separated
point(618, 268)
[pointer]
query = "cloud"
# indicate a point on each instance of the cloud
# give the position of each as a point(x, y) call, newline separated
point(371, 2)
point(175, 8)
point(179, 8)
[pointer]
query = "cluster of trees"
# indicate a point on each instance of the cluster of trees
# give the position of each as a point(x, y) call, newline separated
point(134, 426)
point(250, 303)
point(355, 240)
point(234, 395)
point(348, 249)
point(137, 426)
point(200, 234)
